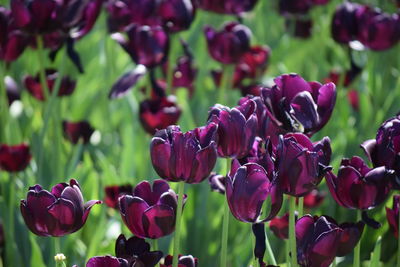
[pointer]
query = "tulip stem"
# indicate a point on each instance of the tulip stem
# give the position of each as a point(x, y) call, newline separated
point(11, 245)
point(300, 207)
point(178, 224)
point(42, 70)
point(3, 104)
point(226, 83)
point(225, 223)
point(292, 231)
point(270, 253)
point(174, 41)
point(398, 241)
point(356, 262)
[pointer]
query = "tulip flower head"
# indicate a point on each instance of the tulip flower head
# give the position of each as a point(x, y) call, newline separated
point(56, 213)
point(14, 158)
point(183, 261)
point(75, 131)
point(114, 192)
point(150, 212)
point(188, 157)
point(233, 7)
point(392, 216)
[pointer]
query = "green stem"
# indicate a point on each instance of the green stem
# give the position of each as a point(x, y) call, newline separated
point(174, 41)
point(57, 245)
point(3, 104)
point(356, 262)
point(300, 207)
point(10, 246)
point(334, 263)
point(225, 224)
point(292, 231)
point(178, 224)
point(226, 83)
point(398, 242)
point(270, 253)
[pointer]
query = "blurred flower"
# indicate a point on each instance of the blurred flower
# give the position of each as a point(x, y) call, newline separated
point(301, 165)
point(228, 45)
point(234, 7)
point(114, 192)
point(253, 62)
point(314, 199)
point(217, 183)
point(237, 128)
point(295, 105)
point(75, 131)
point(14, 158)
point(247, 187)
point(359, 187)
point(344, 23)
point(176, 15)
point(321, 239)
point(392, 216)
point(302, 27)
point(34, 86)
point(12, 89)
point(287, 7)
point(280, 226)
point(137, 252)
point(183, 261)
point(354, 99)
point(185, 74)
point(58, 212)
point(188, 157)
point(106, 261)
point(385, 148)
point(158, 113)
point(251, 89)
point(151, 211)
point(12, 41)
point(146, 45)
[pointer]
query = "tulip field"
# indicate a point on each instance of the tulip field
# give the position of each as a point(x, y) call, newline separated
point(191, 133)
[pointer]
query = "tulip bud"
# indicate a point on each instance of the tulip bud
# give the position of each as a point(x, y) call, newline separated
point(75, 131)
point(14, 158)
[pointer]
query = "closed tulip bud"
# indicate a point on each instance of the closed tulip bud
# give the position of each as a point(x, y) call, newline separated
point(56, 213)
point(176, 15)
point(75, 131)
point(301, 165)
point(392, 216)
point(228, 45)
point(151, 211)
point(247, 188)
point(237, 128)
point(321, 239)
point(183, 261)
point(344, 26)
point(359, 187)
point(14, 158)
point(188, 157)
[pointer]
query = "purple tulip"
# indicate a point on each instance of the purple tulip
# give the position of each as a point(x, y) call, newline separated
point(106, 261)
point(262, 153)
point(302, 27)
point(56, 213)
point(188, 157)
point(247, 187)
point(280, 226)
point(176, 15)
point(321, 239)
point(385, 148)
point(183, 261)
point(253, 63)
point(237, 128)
point(230, 44)
point(150, 212)
point(185, 74)
point(359, 187)
point(12, 41)
point(14, 158)
point(301, 164)
point(158, 113)
point(392, 216)
point(217, 183)
point(234, 7)
point(345, 23)
point(114, 192)
point(287, 7)
point(75, 131)
point(147, 45)
point(378, 30)
point(295, 105)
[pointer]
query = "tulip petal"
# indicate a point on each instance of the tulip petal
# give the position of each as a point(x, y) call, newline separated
point(158, 221)
point(305, 110)
point(349, 237)
point(132, 210)
point(123, 85)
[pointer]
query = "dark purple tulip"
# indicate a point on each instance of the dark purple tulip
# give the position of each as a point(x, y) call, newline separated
point(217, 183)
point(12, 41)
point(147, 45)
point(359, 187)
point(392, 216)
point(384, 150)
point(150, 212)
point(114, 192)
point(301, 164)
point(247, 187)
point(280, 226)
point(14, 158)
point(56, 213)
point(253, 63)
point(176, 15)
point(314, 199)
point(287, 7)
point(12, 89)
point(262, 153)
point(75, 131)
point(344, 26)
point(185, 74)
point(234, 7)
point(237, 128)
point(228, 45)
point(34, 86)
point(188, 157)
point(321, 239)
point(158, 113)
point(302, 27)
point(378, 30)
point(137, 252)
point(106, 261)
point(183, 261)
point(295, 105)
